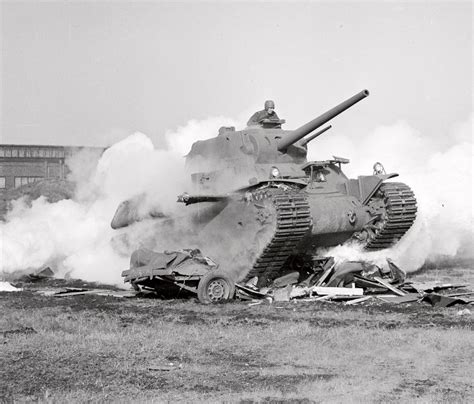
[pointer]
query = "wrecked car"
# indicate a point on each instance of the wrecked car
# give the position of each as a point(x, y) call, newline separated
point(179, 273)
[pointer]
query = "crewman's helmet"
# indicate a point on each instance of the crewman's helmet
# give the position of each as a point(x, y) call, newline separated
point(269, 104)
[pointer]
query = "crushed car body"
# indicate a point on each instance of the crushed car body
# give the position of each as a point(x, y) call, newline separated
point(182, 272)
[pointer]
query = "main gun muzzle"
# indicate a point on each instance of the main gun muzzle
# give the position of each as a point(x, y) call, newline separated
point(307, 128)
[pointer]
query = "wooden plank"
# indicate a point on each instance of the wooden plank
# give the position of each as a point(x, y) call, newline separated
point(125, 293)
point(434, 287)
point(357, 301)
point(325, 275)
point(322, 298)
point(315, 299)
point(340, 297)
point(460, 294)
point(367, 283)
point(250, 291)
point(390, 287)
point(320, 290)
point(83, 292)
point(408, 298)
point(98, 292)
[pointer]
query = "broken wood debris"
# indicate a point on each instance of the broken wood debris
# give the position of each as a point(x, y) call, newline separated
point(326, 273)
point(67, 292)
point(357, 301)
point(407, 298)
point(322, 291)
point(354, 283)
point(389, 287)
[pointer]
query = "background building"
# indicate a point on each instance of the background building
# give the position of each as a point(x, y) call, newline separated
point(24, 164)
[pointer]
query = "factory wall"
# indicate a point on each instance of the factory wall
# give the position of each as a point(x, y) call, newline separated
point(23, 164)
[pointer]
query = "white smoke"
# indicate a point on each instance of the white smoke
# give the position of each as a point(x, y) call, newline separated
point(75, 235)
point(439, 172)
point(181, 139)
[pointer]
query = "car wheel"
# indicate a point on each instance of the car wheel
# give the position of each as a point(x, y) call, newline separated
point(214, 287)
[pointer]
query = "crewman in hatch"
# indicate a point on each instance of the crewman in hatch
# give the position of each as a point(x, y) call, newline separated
point(268, 113)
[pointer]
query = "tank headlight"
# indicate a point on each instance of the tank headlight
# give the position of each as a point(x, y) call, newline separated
point(274, 172)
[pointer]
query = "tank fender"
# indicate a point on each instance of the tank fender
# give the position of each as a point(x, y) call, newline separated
point(275, 181)
point(380, 178)
point(387, 176)
point(365, 186)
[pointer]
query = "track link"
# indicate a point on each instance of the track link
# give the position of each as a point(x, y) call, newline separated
point(293, 222)
point(400, 213)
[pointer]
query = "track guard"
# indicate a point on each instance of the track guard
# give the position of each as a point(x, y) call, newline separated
point(365, 186)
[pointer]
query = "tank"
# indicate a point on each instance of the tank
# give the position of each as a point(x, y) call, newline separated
point(257, 203)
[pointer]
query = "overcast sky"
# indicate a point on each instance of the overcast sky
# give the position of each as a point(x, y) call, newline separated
point(84, 73)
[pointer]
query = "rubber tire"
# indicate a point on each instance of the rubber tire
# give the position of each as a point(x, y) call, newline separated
point(206, 281)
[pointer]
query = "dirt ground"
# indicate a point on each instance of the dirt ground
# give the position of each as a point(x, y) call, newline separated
point(96, 348)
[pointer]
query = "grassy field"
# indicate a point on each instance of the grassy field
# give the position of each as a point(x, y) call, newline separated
point(92, 348)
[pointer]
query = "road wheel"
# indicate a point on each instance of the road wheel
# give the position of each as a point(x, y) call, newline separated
point(215, 286)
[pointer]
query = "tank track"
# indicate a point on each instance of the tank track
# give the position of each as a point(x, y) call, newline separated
point(400, 213)
point(293, 222)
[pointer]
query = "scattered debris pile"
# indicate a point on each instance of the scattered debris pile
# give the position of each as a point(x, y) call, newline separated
point(188, 272)
point(354, 282)
point(44, 281)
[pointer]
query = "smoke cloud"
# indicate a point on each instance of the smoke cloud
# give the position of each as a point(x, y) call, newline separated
point(75, 237)
point(181, 139)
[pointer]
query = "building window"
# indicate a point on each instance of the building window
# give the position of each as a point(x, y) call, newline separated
point(2, 182)
point(19, 181)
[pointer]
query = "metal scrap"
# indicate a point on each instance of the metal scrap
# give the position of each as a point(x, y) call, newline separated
point(437, 300)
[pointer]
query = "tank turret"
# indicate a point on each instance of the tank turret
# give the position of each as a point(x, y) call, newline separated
point(236, 158)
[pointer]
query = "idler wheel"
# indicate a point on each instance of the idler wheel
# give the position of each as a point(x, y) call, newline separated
point(214, 287)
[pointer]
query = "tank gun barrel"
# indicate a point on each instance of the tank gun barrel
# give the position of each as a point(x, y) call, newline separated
point(307, 128)
point(314, 136)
